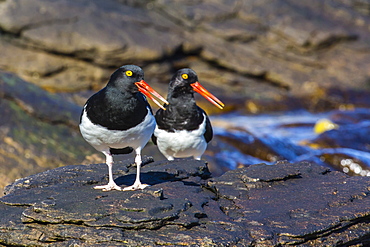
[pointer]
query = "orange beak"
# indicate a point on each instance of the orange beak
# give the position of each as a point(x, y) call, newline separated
point(210, 97)
point(149, 92)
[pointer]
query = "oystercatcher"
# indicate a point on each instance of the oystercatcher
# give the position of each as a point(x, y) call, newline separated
point(118, 119)
point(184, 130)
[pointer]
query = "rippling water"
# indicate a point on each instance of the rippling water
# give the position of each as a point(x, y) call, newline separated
point(245, 140)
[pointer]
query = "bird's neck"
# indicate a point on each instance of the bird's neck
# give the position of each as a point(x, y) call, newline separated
point(181, 99)
point(132, 100)
point(181, 106)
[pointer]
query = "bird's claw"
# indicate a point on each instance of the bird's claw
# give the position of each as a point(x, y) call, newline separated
point(138, 186)
point(108, 187)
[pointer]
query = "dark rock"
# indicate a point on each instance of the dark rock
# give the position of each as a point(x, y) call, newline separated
point(300, 204)
point(310, 208)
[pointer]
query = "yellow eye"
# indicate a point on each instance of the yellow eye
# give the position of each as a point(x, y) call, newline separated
point(185, 76)
point(129, 73)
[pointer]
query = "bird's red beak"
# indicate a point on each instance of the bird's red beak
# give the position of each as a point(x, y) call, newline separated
point(210, 97)
point(149, 91)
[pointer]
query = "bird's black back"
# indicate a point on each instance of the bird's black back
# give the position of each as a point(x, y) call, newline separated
point(182, 115)
point(117, 110)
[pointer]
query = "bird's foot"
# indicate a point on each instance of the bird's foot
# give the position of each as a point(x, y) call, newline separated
point(108, 187)
point(136, 186)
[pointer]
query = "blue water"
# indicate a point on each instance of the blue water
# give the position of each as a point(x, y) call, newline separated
point(272, 125)
point(287, 134)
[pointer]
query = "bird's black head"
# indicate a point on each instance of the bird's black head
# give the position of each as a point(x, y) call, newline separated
point(182, 80)
point(129, 79)
point(125, 77)
point(183, 85)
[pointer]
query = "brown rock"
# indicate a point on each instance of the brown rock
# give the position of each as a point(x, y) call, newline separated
point(251, 50)
point(38, 130)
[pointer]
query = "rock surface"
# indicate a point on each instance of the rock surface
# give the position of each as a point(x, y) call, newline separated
point(38, 130)
point(283, 204)
point(253, 53)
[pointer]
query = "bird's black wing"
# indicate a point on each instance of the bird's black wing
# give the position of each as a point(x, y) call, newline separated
point(208, 134)
point(154, 139)
point(106, 109)
point(125, 150)
point(159, 121)
point(172, 119)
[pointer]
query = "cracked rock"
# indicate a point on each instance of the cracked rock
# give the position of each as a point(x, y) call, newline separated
point(269, 205)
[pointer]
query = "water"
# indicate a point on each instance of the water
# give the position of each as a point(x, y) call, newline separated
point(293, 126)
point(267, 138)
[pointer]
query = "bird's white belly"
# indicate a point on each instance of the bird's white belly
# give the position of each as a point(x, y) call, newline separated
point(102, 138)
point(181, 143)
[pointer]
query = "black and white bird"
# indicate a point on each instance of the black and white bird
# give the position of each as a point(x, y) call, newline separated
point(184, 130)
point(119, 120)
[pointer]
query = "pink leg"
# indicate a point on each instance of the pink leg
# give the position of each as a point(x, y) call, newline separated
point(137, 185)
point(111, 184)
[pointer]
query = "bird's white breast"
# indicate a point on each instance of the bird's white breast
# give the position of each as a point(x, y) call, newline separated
point(182, 143)
point(102, 138)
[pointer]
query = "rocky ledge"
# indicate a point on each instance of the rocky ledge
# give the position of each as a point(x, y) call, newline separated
point(260, 205)
point(259, 56)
